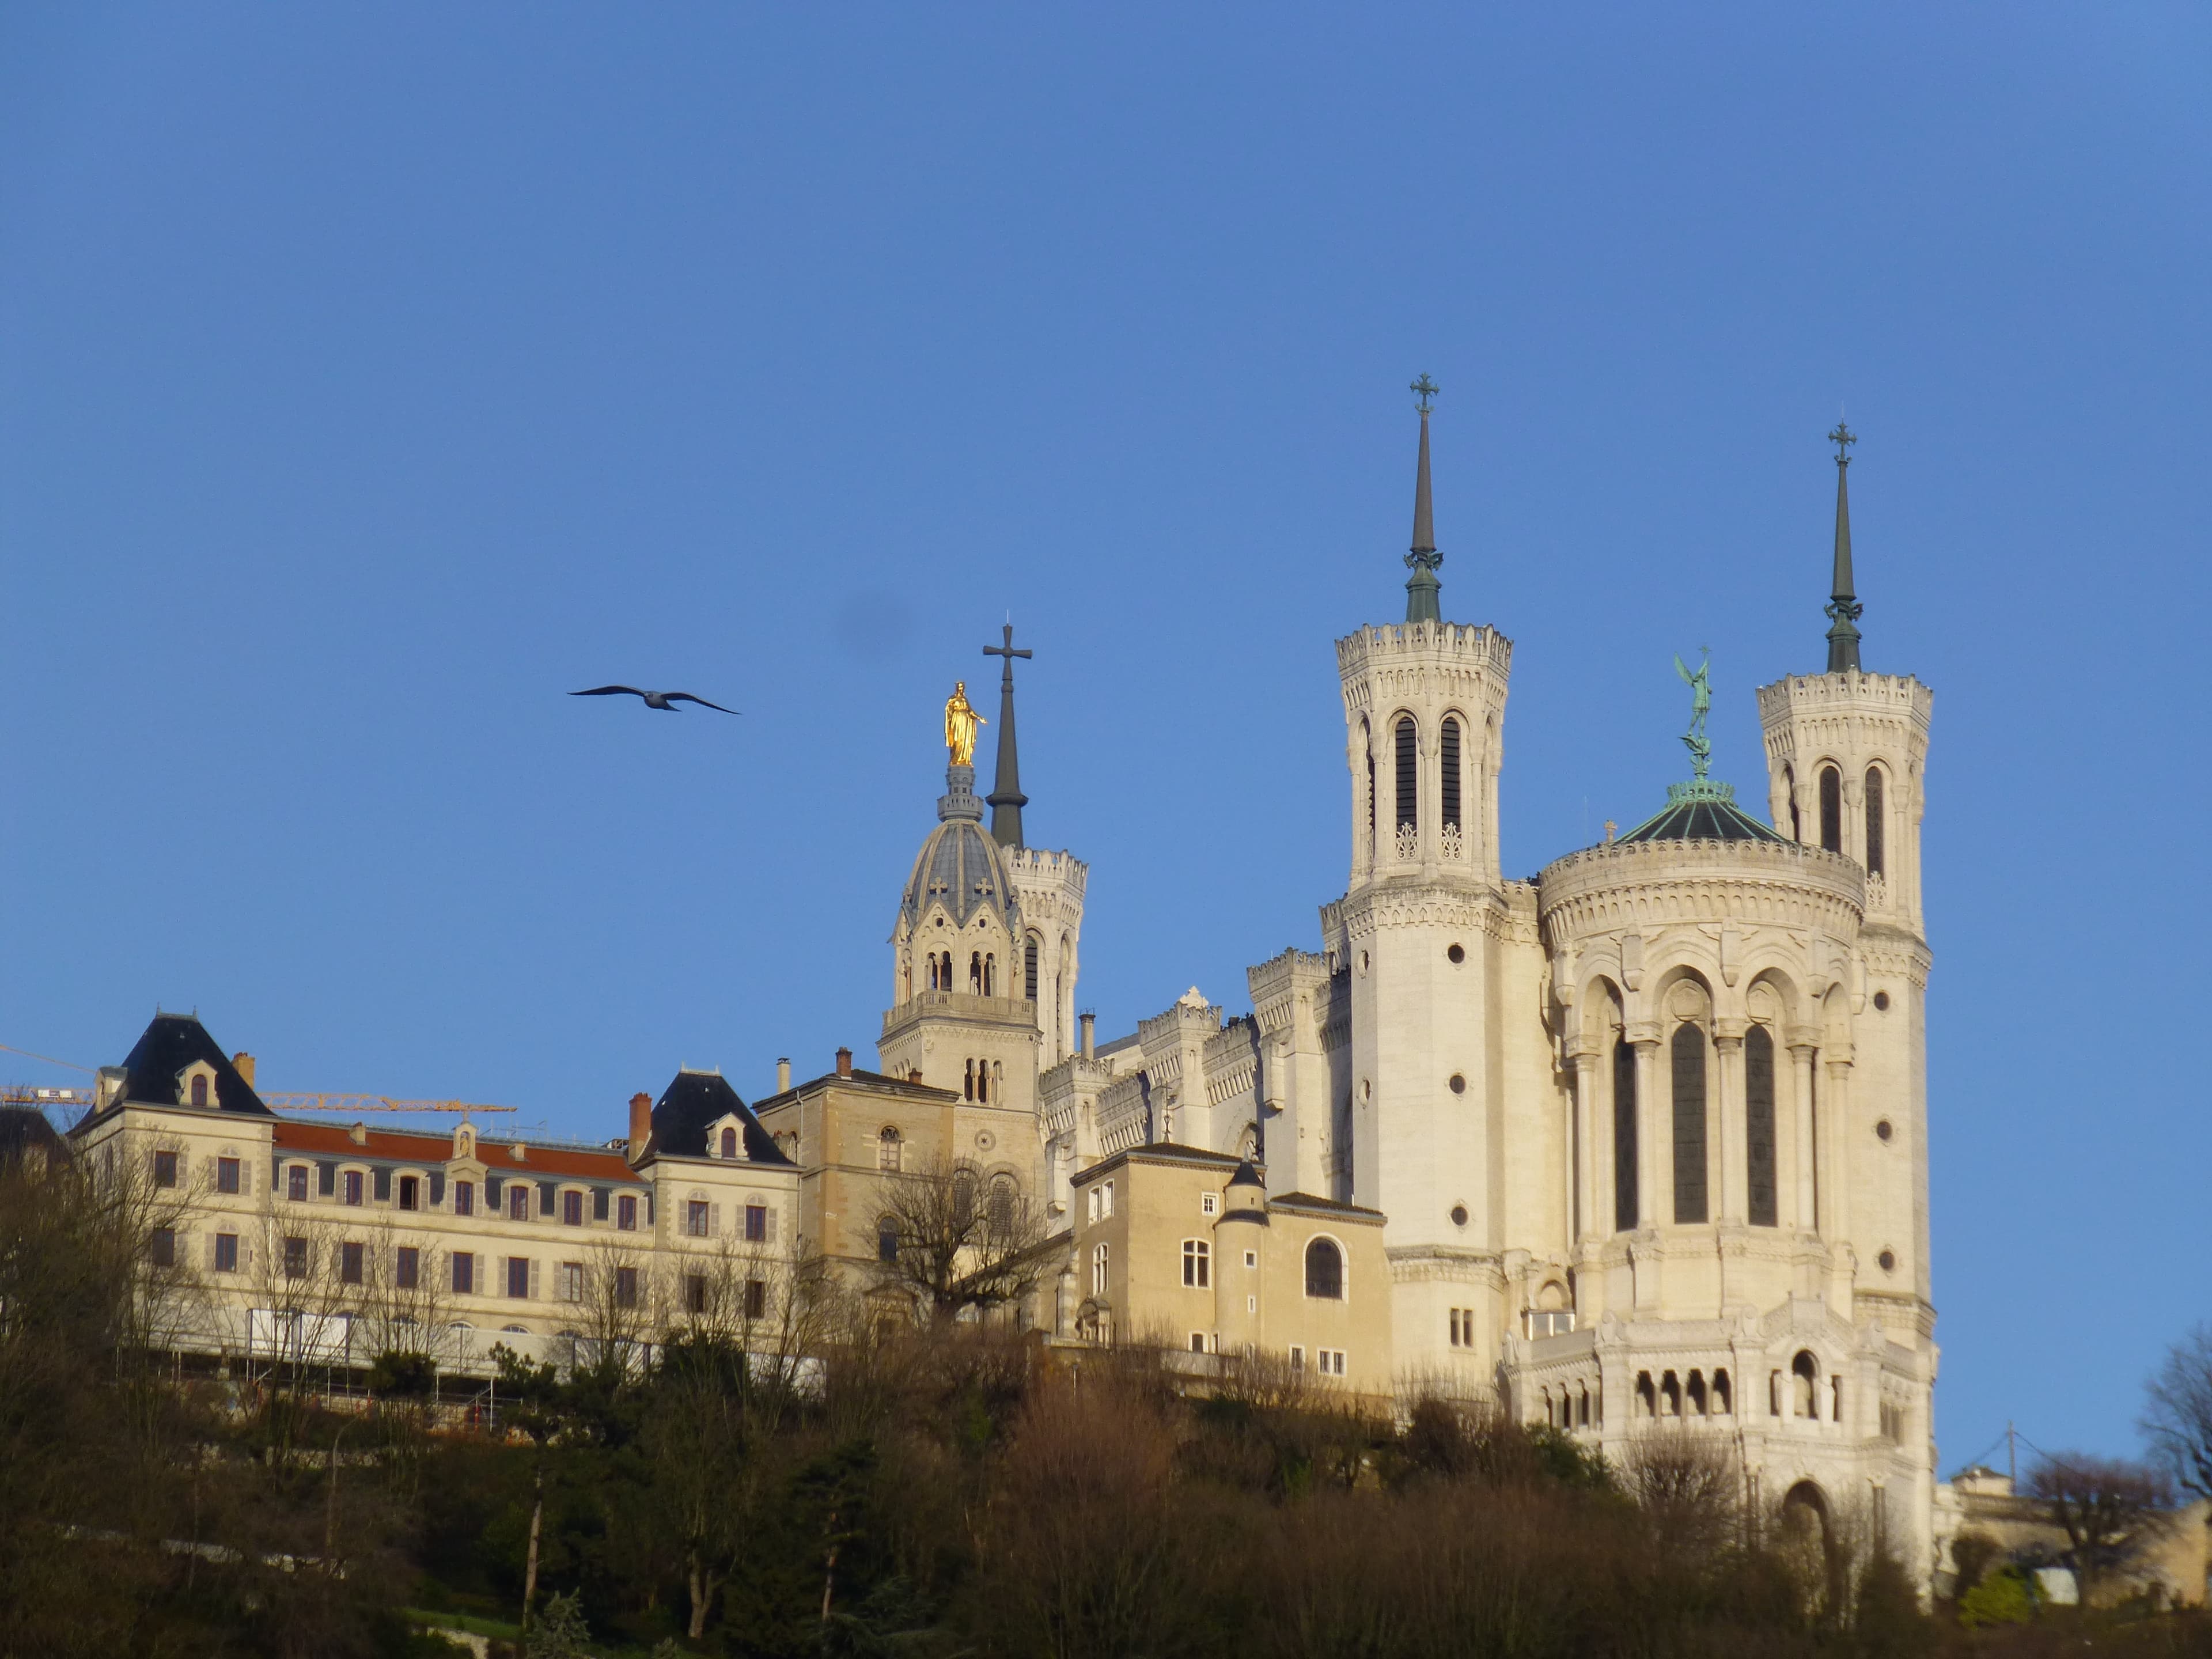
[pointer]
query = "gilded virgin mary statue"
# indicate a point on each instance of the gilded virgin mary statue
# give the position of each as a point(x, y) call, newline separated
point(961, 721)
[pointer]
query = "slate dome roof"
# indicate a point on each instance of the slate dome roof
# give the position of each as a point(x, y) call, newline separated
point(1701, 811)
point(961, 865)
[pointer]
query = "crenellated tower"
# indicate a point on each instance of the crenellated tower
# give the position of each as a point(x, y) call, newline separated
point(1422, 934)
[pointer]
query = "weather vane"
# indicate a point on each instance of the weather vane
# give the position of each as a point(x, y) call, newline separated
point(1425, 388)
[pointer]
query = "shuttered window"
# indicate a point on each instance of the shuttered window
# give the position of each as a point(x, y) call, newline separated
point(1409, 772)
point(1450, 794)
point(1688, 1050)
point(1624, 1137)
point(1874, 821)
point(1758, 1122)
point(1831, 809)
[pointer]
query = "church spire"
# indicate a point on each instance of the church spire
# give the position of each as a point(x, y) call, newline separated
point(1844, 608)
point(1005, 797)
point(1423, 559)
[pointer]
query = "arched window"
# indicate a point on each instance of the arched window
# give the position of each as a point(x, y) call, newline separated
point(199, 1090)
point(1409, 773)
point(887, 1239)
point(1647, 1399)
point(729, 1143)
point(999, 1216)
point(976, 972)
point(1450, 791)
point(1723, 1396)
point(887, 1150)
point(1805, 1373)
point(1688, 1052)
point(1693, 1399)
point(1624, 1137)
point(1789, 789)
point(990, 975)
point(1874, 821)
point(1029, 968)
point(968, 1082)
point(1098, 1270)
point(1758, 1122)
point(1325, 1270)
point(1670, 1396)
point(1831, 809)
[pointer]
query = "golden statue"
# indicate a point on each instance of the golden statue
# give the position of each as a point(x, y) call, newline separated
point(961, 721)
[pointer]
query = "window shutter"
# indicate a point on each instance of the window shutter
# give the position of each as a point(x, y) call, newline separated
point(384, 1186)
point(601, 1197)
point(713, 1221)
point(492, 1184)
point(533, 1279)
point(771, 1223)
point(437, 1187)
point(245, 1178)
point(210, 1253)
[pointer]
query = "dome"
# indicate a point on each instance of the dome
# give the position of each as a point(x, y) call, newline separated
point(960, 865)
point(1701, 811)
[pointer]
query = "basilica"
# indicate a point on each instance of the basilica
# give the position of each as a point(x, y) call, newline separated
point(1636, 1144)
point(1640, 1141)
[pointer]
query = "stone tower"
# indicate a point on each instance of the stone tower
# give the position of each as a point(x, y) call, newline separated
point(1422, 931)
point(1846, 758)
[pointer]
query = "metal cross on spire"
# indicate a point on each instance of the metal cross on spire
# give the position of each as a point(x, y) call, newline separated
point(1007, 799)
point(1425, 389)
point(1842, 437)
point(1842, 608)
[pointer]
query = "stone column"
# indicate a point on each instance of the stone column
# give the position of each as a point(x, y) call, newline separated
point(1589, 1220)
point(1835, 1139)
point(1732, 1191)
point(1651, 1139)
point(1807, 1156)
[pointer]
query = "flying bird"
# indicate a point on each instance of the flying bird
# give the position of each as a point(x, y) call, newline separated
point(664, 701)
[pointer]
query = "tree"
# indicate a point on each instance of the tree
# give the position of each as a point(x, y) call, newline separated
point(2109, 1508)
point(965, 1241)
point(2178, 1410)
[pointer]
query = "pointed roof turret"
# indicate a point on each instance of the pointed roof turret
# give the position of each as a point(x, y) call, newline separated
point(1005, 797)
point(1423, 559)
point(1844, 609)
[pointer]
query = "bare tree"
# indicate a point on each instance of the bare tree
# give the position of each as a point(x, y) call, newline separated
point(1688, 1488)
point(2178, 1410)
point(2111, 1509)
point(965, 1240)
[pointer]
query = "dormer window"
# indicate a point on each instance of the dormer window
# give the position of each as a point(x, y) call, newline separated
point(196, 1084)
point(729, 1143)
point(199, 1091)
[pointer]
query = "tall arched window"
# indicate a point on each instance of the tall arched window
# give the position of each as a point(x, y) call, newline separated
point(968, 1082)
point(200, 1090)
point(1451, 786)
point(887, 1239)
point(729, 1143)
point(1758, 1122)
point(887, 1150)
point(991, 974)
point(1790, 789)
point(1029, 968)
point(1874, 821)
point(1831, 809)
point(1688, 1052)
point(1624, 1137)
point(1325, 1270)
point(976, 972)
point(1409, 774)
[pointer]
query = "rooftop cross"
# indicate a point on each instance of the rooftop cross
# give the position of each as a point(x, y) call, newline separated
point(1005, 798)
point(1423, 559)
point(1424, 388)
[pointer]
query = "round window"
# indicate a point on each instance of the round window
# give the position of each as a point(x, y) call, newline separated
point(1456, 954)
point(1458, 1083)
point(1458, 1215)
point(1888, 1261)
point(1881, 1000)
point(1882, 1131)
point(983, 1141)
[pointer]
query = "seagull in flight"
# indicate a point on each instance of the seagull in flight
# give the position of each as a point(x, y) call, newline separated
point(664, 701)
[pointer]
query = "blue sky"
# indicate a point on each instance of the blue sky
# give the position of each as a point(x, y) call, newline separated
point(371, 377)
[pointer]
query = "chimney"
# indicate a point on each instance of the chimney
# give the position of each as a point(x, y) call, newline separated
point(641, 1125)
point(844, 1062)
point(358, 1134)
point(913, 1074)
point(242, 1063)
point(783, 1074)
point(1090, 1034)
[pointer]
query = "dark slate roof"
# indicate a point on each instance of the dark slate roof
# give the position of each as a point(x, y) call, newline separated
point(170, 1043)
point(876, 1082)
point(691, 1103)
point(961, 865)
point(1702, 810)
point(1246, 1176)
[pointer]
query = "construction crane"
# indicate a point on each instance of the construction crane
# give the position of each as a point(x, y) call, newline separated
point(350, 1104)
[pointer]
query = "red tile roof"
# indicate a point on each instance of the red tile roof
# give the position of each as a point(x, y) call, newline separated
point(335, 1140)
